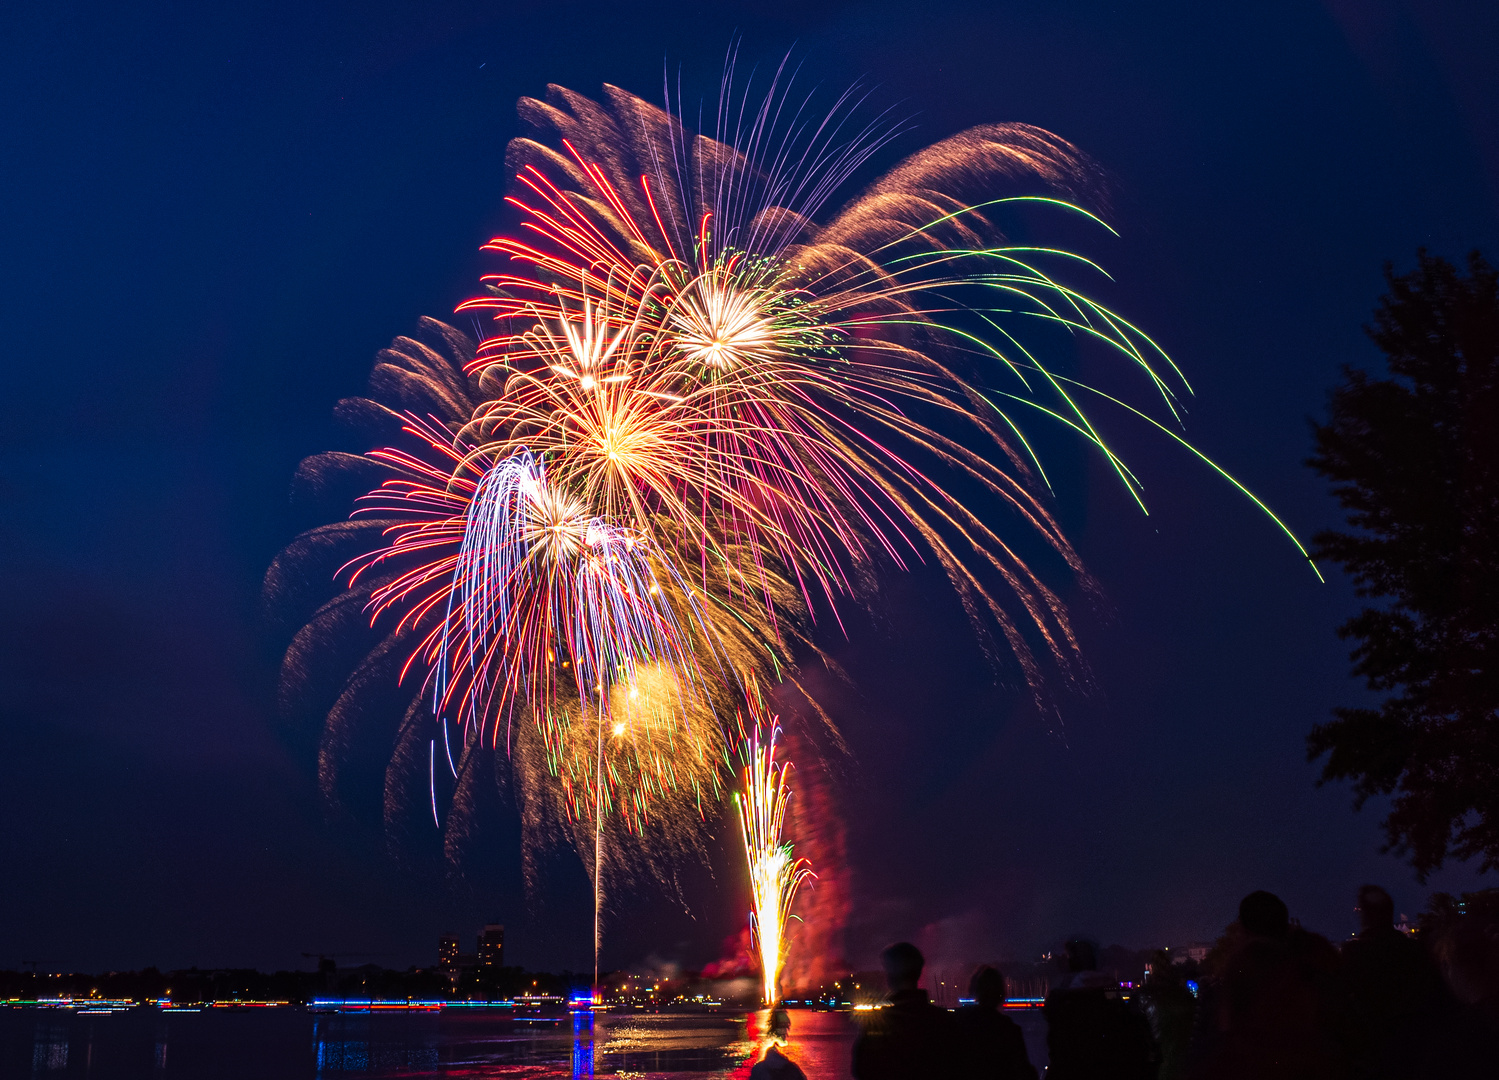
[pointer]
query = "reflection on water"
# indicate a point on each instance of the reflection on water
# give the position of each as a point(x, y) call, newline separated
point(50, 1049)
point(706, 1045)
point(343, 1045)
point(293, 1044)
point(583, 1044)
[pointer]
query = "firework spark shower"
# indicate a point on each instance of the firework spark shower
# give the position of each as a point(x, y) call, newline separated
point(775, 872)
point(707, 415)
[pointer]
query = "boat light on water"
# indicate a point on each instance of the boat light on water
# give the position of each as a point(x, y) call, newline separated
point(364, 1005)
point(380, 1005)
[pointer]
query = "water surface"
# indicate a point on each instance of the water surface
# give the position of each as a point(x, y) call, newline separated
point(295, 1044)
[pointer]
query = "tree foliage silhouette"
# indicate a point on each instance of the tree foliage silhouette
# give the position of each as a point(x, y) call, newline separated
point(1414, 461)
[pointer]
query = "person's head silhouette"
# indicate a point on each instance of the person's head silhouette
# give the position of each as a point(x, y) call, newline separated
point(780, 1024)
point(903, 963)
point(987, 987)
point(1081, 955)
point(1375, 908)
point(1469, 954)
point(1263, 914)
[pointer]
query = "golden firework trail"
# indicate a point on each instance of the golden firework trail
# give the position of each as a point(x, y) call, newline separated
point(774, 870)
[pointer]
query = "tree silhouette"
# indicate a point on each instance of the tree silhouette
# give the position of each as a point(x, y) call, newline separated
point(1414, 461)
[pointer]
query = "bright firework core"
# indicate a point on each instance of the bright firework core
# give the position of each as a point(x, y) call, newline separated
point(721, 324)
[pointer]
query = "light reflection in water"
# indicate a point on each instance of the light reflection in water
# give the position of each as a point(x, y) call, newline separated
point(757, 1034)
point(226, 1044)
point(583, 1044)
point(338, 1053)
point(50, 1053)
point(818, 1042)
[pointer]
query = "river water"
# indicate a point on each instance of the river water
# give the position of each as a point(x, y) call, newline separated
point(295, 1044)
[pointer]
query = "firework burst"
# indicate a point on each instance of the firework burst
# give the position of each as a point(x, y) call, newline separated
point(530, 601)
point(805, 387)
point(706, 409)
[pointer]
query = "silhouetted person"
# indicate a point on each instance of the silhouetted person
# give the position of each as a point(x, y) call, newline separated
point(1091, 1032)
point(1266, 1011)
point(1465, 1041)
point(910, 1038)
point(1170, 1008)
point(992, 1046)
point(1394, 989)
point(776, 1065)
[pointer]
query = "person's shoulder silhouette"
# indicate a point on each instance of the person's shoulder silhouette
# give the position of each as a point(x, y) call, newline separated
point(909, 1038)
point(776, 1066)
point(993, 1047)
point(1271, 1005)
point(1092, 1033)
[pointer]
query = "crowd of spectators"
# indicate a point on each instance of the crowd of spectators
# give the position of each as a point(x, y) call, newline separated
point(1272, 1001)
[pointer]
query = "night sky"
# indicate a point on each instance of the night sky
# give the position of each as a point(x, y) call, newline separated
point(211, 218)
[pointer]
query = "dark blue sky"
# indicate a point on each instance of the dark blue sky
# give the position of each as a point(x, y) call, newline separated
point(213, 215)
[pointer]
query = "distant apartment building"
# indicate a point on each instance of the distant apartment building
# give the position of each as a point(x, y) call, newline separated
point(447, 951)
point(492, 948)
